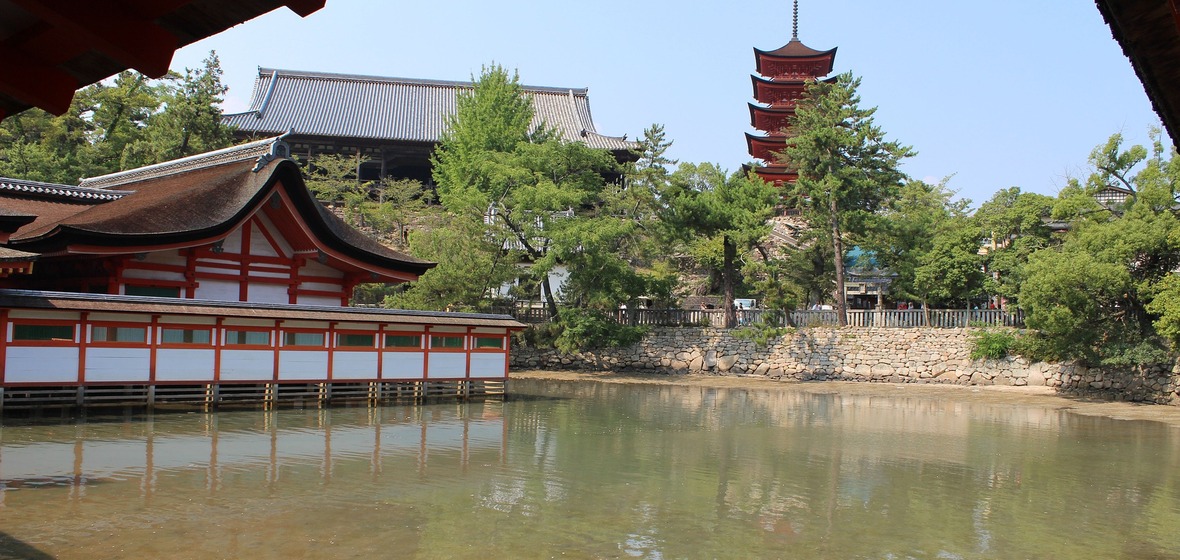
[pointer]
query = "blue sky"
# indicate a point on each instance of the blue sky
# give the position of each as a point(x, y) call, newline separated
point(998, 94)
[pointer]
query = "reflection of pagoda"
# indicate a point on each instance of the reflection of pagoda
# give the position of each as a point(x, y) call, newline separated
point(782, 76)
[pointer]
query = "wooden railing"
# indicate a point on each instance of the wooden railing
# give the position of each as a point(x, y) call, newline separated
point(889, 318)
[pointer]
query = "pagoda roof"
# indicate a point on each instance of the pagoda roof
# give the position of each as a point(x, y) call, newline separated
point(186, 203)
point(795, 49)
point(395, 109)
point(1149, 33)
point(51, 48)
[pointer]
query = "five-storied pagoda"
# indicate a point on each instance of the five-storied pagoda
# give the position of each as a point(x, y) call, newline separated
point(782, 75)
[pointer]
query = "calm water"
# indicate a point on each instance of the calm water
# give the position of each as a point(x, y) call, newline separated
point(588, 470)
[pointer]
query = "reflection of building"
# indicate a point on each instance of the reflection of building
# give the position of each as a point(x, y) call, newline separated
point(213, 270)
point(783, 75)
point(394, 122)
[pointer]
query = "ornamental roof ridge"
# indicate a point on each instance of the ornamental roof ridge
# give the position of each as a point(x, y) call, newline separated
point(264, 149)
point(54, 190)
point(279, 72)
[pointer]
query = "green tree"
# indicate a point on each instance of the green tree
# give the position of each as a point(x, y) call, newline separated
point(906, 233)
point(1102, 294)
point(470, 264)
point(190, 122)
point(525, 185)
point(1015, 225)
point(847, 169)
point(948, 272)
point(718, 217)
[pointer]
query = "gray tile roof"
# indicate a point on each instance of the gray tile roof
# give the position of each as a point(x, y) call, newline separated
point(53, 190)
point(393, 109)
point(260, 149)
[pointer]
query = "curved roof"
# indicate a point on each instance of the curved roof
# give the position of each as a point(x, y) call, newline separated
point(795, 49)
point(1149, 33)
point(194, 201)
point(394, 109)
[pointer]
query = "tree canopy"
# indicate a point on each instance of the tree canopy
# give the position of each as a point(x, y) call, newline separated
point(846, 168)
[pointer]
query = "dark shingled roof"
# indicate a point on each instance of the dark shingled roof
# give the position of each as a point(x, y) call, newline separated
point(190, 201)
point(795, 49)
point(393, 109)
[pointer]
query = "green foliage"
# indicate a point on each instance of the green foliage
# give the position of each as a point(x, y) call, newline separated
point(992, 344)
point(948, 272)
point(119, 124)
point(847, 170)
point(470, 264)
point(1014, 222)
point(906, 232)
point(716, 218)
point(588, 329)
point(1103, 293)
point(190, 122)
point(530, 189)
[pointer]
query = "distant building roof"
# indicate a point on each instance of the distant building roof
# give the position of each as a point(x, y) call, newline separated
point(393, 109)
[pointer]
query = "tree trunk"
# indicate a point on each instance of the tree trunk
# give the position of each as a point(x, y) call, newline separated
point(550, 303)
point(729, 252)
point(838, 248)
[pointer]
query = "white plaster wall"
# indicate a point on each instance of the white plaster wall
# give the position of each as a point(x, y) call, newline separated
point(488, 365)
point(303, 365)
point(184, 364)
point(118, 364)
point(268, 293)
point(354, 365)
point(402, 365)
point(41, 364)
point(304, 299)
point(447, 365)
point(247, 365)
point(217, 290)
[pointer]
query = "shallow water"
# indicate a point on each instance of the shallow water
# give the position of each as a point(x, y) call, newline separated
point(593, 470)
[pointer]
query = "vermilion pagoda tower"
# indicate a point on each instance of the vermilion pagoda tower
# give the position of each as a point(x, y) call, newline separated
point(782, 75)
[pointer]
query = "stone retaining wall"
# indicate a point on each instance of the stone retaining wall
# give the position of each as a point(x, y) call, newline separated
point(918, 355)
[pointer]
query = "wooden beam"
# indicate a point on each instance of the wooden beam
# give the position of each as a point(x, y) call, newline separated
point(34, 83)
point(110, 28)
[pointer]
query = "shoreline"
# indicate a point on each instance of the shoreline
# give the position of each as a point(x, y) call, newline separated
point(1039, 396)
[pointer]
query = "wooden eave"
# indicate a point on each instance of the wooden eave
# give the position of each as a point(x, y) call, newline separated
point(68, 301)
point(765, 145)
point(50, 48)
point(796, 51)
point(1149, 33)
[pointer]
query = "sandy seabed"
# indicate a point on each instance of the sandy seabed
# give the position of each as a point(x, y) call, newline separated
point(1028, 396)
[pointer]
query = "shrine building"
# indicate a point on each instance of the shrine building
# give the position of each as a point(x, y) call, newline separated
point(394, 122)
point(211, 277)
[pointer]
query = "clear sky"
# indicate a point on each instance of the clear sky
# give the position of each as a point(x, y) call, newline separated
point(1001, 93)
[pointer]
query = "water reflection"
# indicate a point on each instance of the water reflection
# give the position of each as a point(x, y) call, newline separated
point(599, 471)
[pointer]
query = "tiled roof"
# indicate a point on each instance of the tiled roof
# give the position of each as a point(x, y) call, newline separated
point(793, 49)
point(259, 150)
point(393, 109)
point(53, 190)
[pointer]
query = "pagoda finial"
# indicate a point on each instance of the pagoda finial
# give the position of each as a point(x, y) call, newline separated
point(795, 22)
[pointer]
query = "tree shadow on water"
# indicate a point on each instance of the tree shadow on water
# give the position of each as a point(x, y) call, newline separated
point(12, 548)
